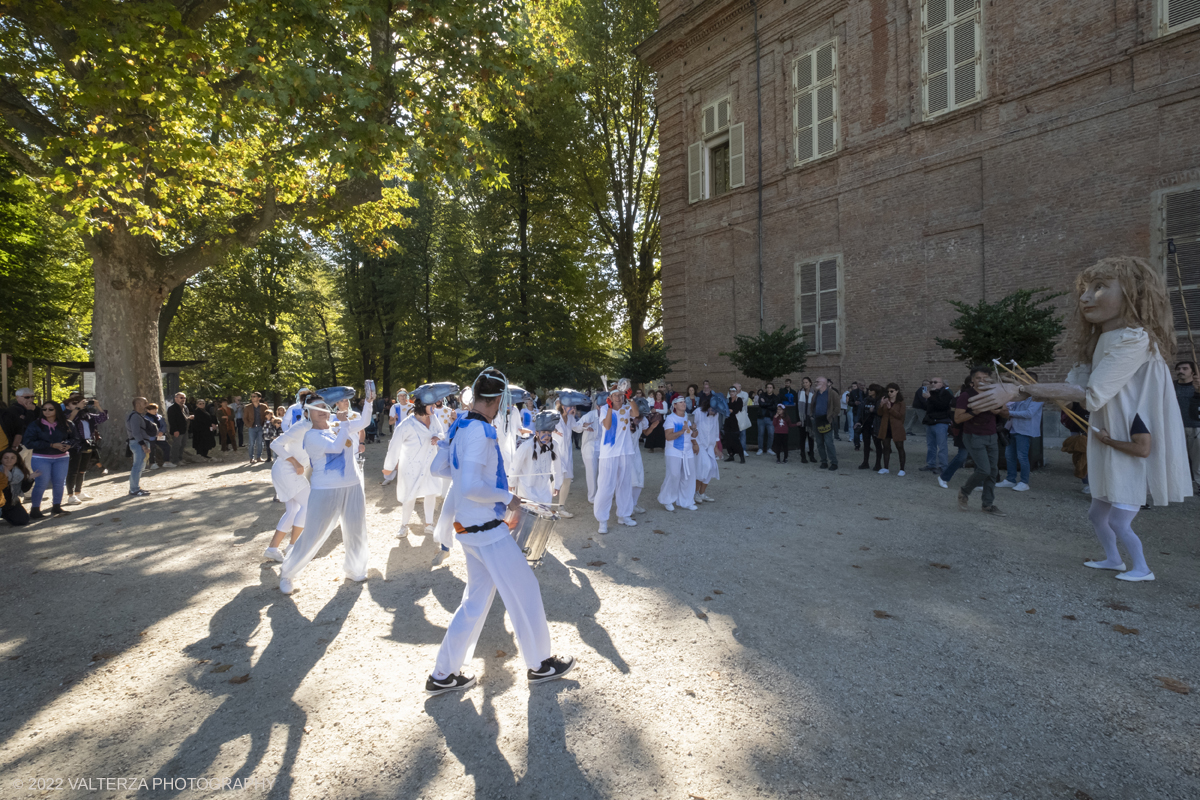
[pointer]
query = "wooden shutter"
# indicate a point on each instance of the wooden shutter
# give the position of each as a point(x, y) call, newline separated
point(737, 155)
point(804, 143)
point(952, 54)
point(966, 61)
point(696, 172)
point(1182, 228)
point(827, 99)
point(723, 114)
point(937, 75)
point(1180, 14)
point(806, 305)
point(827, 304)
point(710, 120)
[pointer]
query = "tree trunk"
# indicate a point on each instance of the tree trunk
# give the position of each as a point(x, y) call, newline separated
point(125, 339)
point(329, 350)
point(167, 314)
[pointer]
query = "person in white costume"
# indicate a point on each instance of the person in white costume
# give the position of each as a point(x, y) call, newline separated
point(633, 454)
point(473, 517)
point(706, 421)
point(295, 412)
point(589, 446)
point(1124, 333)
point(564, 443)
point(679, 484)
point(337, 489)
point(411, 451)
point(291, 487)
point(539, 465)
point(613, 481)
point(400, 409)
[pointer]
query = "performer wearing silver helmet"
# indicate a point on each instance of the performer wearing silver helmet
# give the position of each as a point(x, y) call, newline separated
point(473, 516)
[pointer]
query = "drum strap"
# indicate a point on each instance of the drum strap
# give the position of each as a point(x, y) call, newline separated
point(487, 526)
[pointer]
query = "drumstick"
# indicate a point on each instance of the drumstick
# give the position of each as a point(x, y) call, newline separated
point(1026, 379)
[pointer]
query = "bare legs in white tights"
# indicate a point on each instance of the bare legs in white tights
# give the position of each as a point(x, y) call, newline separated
point(1112, 523)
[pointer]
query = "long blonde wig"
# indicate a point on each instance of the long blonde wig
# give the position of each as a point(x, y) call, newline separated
point(1146, 305)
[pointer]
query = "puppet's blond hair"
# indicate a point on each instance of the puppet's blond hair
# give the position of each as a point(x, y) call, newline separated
point(1146, 306)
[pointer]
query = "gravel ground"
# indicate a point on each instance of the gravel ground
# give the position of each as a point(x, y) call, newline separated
point(809, 635)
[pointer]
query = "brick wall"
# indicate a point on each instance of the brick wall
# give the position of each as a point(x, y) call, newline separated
point(1087, 116)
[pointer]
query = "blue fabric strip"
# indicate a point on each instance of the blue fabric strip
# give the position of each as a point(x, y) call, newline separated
point(677, 442)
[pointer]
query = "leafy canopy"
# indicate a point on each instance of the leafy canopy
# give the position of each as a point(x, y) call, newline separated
point(769, 354)
point(1022, 326)
point(647, 364)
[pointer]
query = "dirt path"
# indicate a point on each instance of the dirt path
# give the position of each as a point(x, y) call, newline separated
point(809, 635)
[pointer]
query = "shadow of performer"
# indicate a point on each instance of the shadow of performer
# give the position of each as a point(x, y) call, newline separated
point(296, 646)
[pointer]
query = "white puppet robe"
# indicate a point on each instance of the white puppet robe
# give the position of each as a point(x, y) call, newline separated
point(291, 489)
point(1128, 378)
point(633, 458)
point(589, 448)
point(411, 452)
point(679, 483)
point(708, 433)
point(478, 494)
point(336, 497)
point(539, 472)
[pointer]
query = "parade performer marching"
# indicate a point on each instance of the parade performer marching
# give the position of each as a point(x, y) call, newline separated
point(337, 490)
point(678, 486)
point(291, 487)
point(589, 444)
point(708, 435)
point(411, 451)
point(613, 480)
point(295, 412)
point(473, 516)
point(1123, 334)
point(633, 452)
point(538, 465)
point(568, 402)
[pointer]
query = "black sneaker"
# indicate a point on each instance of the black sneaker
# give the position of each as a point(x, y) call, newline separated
point(139, 493)
point(454, 683)
point(551, 669)
point(995, 512)
point(833, 467)
point(36, 513)
point(56, 510)
point(824, 465)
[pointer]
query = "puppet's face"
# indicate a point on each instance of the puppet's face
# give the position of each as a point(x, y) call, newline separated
point(1102, 301)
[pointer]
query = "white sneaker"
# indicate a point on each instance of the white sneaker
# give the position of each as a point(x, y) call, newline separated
point(669, 507)
point(428, 530)
point(73, 500)
point(604, 527)
point(355, 578)
point(979, 488)
point(1087, 489)
point(562, 512)
point(707, 499)
point(274, 553)
point(85, 496)
point(627, 521)
point(1005, 484)
point(900, 474)
point(639, 510)
point(400, 534)
point(692, 507)
point(169, 465)
point(440, 557)
point(1021, 487)
point(770, 452)
point(942, 483)
point(884, 471)
point(154, 466)
point(285, 586)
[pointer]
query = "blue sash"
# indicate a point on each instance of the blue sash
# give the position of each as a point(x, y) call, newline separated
point(677, 442)
point(490, 432)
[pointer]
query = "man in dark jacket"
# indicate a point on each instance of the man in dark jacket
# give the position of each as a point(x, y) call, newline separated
point(937, 401)
point(854, 401)
point(178, 417)
point(19, 416)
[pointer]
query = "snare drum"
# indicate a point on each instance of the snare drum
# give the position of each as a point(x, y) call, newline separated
point(531, 530)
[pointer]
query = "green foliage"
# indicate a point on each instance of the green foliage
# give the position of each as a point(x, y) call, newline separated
point(648, 364)
point(45, 278)
point(769, 354)
point(1022, 326)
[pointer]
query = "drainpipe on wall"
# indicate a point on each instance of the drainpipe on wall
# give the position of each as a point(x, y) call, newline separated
point(758, 98)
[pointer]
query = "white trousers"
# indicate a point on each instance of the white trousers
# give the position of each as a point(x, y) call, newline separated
point(428, 503)
point(326, 508)
point(679, 485)
point(613, 482)
point(295, 511)
point(497, 566)
point(591, 467)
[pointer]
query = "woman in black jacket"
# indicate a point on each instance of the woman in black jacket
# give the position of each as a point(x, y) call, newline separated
point(16, 479)
point(731, 438)
point(204, 426)
point(51, 437)
point(867, 426)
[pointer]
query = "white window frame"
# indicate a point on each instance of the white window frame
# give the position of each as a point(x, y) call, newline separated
point(816, 343)
point(806, 94)
point(713, 136)
point(1164, 17)
point(1187, 238)
point(954, 61)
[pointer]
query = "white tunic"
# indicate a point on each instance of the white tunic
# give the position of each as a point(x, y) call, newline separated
point(708, 433)
point(333, 454)
point(286, 481)
point(411, 451)
point(472, 461)
point(1129, 378)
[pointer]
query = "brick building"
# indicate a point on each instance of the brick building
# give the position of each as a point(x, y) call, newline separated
point(912, 151)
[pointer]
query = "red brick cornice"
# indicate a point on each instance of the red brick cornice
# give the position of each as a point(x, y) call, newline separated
point(681, 33)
